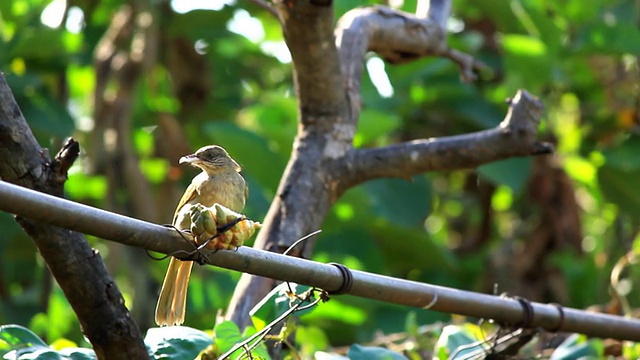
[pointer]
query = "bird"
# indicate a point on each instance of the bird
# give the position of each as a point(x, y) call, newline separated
point(219, 182)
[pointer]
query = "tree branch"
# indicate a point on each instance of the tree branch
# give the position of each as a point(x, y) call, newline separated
point(324, 134)
point(308, 32)
point(515, 136)
point(327, 80)
point(126, 51)
point(133, 232)
point(397, 37)
point(436, 10)
point(78, 269)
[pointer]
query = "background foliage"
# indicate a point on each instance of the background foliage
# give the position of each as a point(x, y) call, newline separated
point(547, 228)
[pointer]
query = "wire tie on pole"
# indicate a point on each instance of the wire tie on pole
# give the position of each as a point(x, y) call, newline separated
point(433, 301)
point(527, 318)
point(347, 280)
point(561, 320)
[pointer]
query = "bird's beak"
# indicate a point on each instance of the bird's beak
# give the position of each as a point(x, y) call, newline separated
point(188, 159)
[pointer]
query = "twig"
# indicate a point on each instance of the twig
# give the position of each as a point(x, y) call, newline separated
point(257, 337)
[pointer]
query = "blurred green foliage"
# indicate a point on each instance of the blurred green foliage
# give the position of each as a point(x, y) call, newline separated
point(581, 59)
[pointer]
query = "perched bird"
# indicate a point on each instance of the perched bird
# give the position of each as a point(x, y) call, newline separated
point(219, 182)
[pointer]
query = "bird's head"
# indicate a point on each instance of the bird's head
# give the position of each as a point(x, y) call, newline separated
point(212, 159)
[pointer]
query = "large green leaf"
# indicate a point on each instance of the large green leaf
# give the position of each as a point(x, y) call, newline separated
point(352, 244)
point(274, 117)
point(408, 249)
point(621, 38)
point(479, 112)
point(577, 346)
point(359, 352)
point(176, 342)
point(375, 125)
point(20, 343)
point(46, 116)
point(624, 157)
point(621, 188)
point(41, 44)
point(16, 335)
point(338, 311)
point(78, 354)
point(227, 335)
point(400, 201)
point(528, 62)
point(454, 342)
point(513, 173)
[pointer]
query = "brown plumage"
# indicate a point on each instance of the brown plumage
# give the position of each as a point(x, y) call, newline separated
point(219, 182)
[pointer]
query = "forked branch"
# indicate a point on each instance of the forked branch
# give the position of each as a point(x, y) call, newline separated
point(515, 136)
point(397, 37)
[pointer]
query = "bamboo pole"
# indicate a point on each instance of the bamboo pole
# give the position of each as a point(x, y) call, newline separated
point(129, 231)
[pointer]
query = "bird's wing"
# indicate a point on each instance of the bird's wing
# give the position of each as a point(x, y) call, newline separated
point(246, 191)
point(188, 195)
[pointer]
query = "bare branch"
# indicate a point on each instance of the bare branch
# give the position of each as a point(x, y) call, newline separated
point(129, 231)
point(397, 37)
point(466, 63)
point(515, 136)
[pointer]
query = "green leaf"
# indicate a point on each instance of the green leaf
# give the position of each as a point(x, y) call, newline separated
point(523, 45)
point(338, 311)
point(143, 140)
point(619, 187)
point(14, 335)
point(527, 61)
point(266, 307)
point(600, 38)
point(476, 111)
point(46, 115)
point(358, 352)
point(311, 339)
point(360, 252)
point(260, 351)
point(227, 335)
point(513, 173)
point(400, 201)
point(59, 314)
point(452, 338)
point(411, 324)
point(78, 354)
point(22, 343)
point(407, 249)
point(176, 342)
point(576, 346)
point(38, 353)
point(154, 169)
point(625, 156)
point(274, 118)
point(374, 125)
point(81, 186)
point(42, 44)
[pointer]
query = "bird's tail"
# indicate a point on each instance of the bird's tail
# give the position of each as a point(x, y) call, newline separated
point(172, 301)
